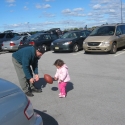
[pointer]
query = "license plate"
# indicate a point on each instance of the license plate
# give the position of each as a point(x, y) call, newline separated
point(56, 47)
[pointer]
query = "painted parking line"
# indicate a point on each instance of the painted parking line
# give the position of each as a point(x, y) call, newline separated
point(78, 53)
point(119, 54)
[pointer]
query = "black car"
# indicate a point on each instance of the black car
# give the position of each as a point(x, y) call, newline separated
point(70, 41)
point(39, 39)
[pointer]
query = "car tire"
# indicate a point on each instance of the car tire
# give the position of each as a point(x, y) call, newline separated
point(75, 48)
point(113, 48)
point(44, 46)
point(86, 52)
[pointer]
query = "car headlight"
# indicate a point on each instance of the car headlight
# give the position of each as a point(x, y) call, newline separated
point(67, 43)
point(105, 43)
point(51, 43)
point(84, 42)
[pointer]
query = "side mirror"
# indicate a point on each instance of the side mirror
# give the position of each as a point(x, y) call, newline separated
point(118, 33)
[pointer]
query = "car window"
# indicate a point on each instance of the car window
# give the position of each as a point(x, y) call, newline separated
point(122, 27)
point(9, 35)
point(118, 30)
point(54, 36)
point(46, 37)
point(35, 36)
point(83, 34)
point(2, 35)
point(88, 33)
point(16, 38)
point(103, 31)
point(69, 35)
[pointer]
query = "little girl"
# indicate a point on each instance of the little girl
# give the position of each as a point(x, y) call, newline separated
point(62, 76)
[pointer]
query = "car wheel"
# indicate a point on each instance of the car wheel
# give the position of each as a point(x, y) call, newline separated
point(114, 48)
point(86, 52)
point(75, 48)
point(45, 47)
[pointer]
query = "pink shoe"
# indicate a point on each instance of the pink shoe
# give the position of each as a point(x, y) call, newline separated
point(63, 96)
point(60, 94)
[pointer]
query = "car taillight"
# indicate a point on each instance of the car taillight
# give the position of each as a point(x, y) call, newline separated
point(29, 112)
point(21, 43)
point(12, 44)
point(32, 43)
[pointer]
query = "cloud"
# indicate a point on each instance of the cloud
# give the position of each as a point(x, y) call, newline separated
point(38, 6)
point(75, 12)
point(97, 6)
point(12, 5)
point(10, 1)
point(78, 9)
point(45, 14)
point(45, 6)
point(25, 8)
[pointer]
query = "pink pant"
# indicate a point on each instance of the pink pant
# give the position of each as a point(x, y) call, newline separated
point(62, 87)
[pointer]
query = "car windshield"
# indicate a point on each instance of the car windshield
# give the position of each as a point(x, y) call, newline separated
point(16, 38)
point(69, 35)
point(2, 35)
point(34, 36)
point(103, 31)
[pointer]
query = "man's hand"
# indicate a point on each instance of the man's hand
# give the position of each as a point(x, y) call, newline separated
point(36, 77)
point(32, 80)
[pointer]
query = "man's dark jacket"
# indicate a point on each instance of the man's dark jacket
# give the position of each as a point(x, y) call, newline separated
point(27, 57)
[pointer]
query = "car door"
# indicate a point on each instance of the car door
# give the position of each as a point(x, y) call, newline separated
point(47, 39)
point(82, 38)
point(123, 34)
point(119, 36)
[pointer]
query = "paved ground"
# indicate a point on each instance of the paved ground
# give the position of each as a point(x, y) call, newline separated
point(96, 93)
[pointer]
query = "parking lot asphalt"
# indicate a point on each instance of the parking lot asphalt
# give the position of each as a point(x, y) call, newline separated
point(95, 94)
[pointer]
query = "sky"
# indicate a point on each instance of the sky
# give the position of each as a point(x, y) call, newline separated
point(37, 15)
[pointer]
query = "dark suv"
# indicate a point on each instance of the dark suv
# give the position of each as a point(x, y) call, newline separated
point(39, 39)
point(6, 36)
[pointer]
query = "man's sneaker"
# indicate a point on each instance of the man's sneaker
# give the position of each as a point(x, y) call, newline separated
point(60, 94)
point(37, 90)
point(30, 94)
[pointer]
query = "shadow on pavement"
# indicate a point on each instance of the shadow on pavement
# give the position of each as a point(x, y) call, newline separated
point(69, 86)
point(40, 84)
point(47, 119)
point(54, 88)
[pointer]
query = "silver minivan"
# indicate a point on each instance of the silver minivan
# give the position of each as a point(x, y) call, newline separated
point(15, 107)
point(106, 38)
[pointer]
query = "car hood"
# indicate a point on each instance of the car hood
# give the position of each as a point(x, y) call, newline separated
point(97, 38)
point(7, 88)
point(63, 40)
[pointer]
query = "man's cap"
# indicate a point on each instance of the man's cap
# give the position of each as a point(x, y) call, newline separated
point(41, 49)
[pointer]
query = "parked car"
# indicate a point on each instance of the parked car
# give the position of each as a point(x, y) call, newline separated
point(70, 41)
point(6, 35)
point(15, 107)
point(12, 45)
point(106, 38)
point(37, 39)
